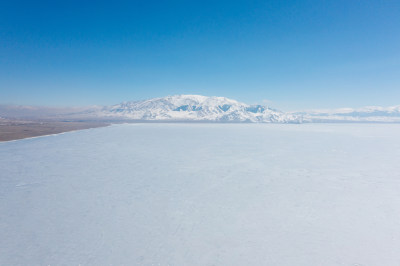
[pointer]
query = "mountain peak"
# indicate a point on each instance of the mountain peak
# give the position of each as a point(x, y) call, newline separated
point(196, 108)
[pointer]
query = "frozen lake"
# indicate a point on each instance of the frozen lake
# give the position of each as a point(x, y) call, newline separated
point(203, 194)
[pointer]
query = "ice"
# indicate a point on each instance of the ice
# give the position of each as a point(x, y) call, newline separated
point(203, 194)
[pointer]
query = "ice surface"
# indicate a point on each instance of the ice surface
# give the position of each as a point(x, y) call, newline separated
point(203, 194)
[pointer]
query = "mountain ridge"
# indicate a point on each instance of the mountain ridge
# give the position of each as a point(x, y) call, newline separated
point(389, 114)
point(196, 108)
point(199, 108)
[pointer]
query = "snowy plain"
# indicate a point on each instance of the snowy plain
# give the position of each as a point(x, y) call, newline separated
point(203, 194)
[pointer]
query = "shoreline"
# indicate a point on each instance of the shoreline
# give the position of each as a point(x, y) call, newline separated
point(27, 130)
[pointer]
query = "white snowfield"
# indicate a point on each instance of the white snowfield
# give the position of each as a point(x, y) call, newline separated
point(203, 194)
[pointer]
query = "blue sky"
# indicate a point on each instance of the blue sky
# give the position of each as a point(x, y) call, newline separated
point(289, 54)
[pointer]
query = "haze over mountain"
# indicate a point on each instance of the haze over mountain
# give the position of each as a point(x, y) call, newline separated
point(365, 114)
point(198, 108)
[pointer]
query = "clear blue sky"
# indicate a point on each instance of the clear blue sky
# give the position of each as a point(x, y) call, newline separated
point(291, 54)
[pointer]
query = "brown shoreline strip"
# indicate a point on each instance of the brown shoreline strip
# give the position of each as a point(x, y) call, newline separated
point(27, 129)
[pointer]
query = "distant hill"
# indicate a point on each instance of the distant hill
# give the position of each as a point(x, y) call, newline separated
point(197, 108)
point(365, 114)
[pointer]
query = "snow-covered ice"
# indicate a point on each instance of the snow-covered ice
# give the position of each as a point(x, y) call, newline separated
point(203, 194)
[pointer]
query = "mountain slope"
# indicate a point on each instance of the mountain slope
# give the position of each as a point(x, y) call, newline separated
point(192, 108)
point(365, 114)
point(196, 108)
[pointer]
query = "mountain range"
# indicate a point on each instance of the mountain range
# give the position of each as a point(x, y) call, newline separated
point(365, 114)
point(197, 108)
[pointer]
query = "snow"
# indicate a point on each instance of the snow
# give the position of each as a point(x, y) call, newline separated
point(203, 194)
point(195, 108)
point(364, 114)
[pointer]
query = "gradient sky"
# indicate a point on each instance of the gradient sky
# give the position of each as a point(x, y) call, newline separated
point(290, 54)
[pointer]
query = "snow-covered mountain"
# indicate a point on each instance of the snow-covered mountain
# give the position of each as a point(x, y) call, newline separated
point(196, 108)
point(202, 109)
point(365, 114)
